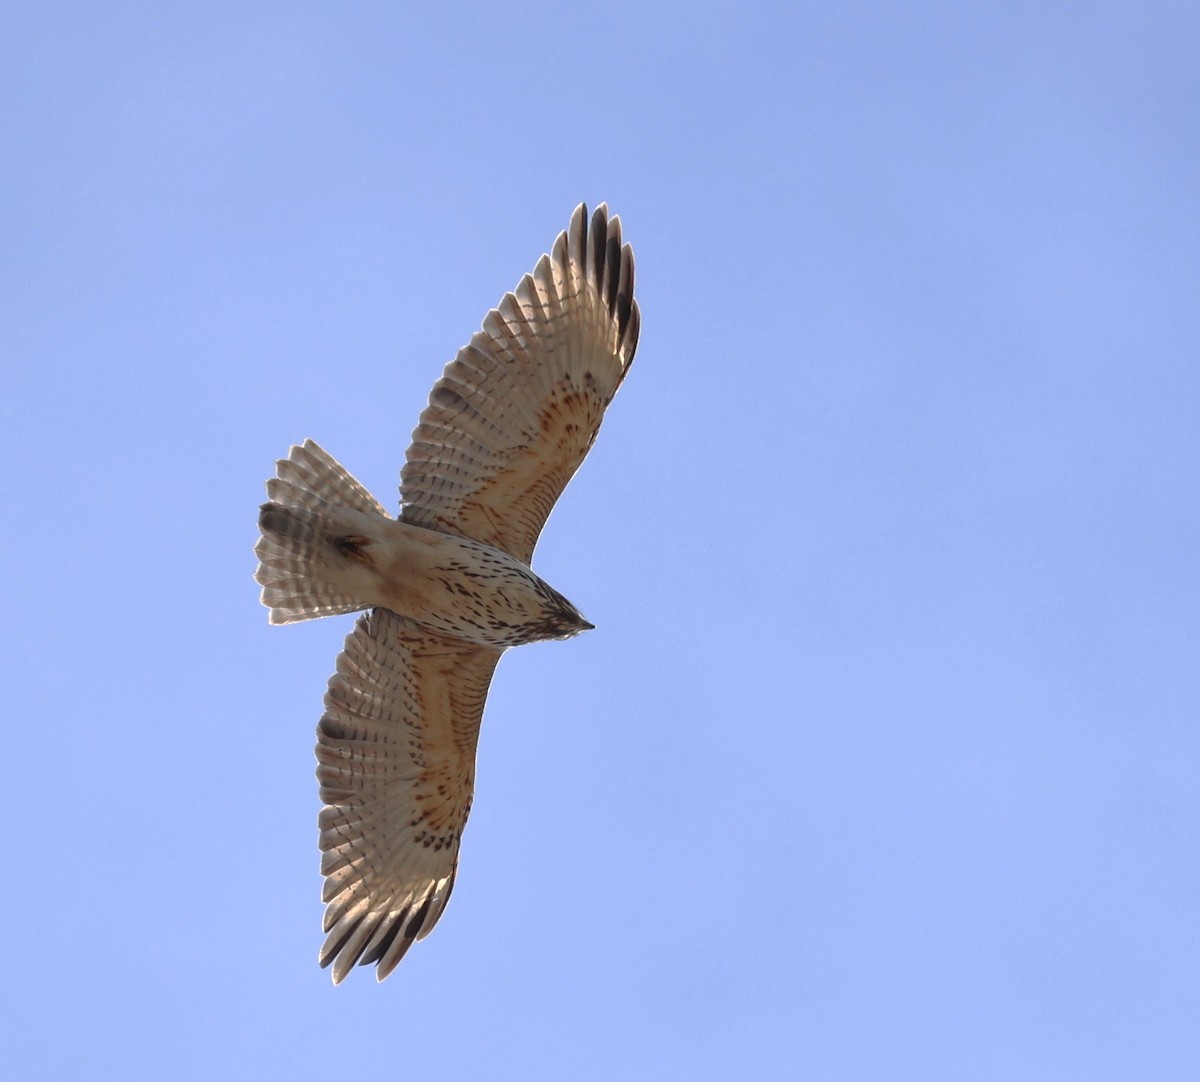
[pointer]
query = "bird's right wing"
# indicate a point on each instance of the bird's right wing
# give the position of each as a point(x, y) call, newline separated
point(396, 765)
point(516, 411)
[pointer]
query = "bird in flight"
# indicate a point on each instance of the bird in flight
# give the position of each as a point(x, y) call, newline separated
point(446, 586)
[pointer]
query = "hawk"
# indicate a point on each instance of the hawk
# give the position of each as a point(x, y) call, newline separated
point(447, 586)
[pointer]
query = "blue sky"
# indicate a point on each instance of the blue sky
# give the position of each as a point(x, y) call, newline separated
point(881, 763)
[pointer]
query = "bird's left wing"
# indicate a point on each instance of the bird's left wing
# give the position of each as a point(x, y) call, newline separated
point(396, 765)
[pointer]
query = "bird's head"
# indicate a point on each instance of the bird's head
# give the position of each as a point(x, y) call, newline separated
point(561, 619)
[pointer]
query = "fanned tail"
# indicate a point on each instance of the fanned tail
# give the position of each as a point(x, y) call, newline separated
point(313, 503)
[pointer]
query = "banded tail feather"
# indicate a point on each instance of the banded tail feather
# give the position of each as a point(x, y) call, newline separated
point(312, 537)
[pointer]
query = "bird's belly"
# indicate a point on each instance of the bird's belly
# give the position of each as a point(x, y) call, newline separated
point(466, 591)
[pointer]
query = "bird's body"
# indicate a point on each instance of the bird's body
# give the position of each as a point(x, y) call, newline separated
point(444, 583)
point(448, 584)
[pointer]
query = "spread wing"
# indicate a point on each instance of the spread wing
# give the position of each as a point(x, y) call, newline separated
point(516, 411)
point(396, 764)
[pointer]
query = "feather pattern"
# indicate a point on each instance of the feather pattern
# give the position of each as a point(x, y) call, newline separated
point(396, 767)
point(517, 410)
point(308, 488)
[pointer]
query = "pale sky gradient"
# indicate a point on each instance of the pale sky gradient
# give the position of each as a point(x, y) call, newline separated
point(882, 760)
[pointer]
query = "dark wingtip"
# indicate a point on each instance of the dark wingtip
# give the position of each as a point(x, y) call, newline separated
point(384, 944)
point(330, 952)
point(594, 243)
point(599, 245)
point(582, 211)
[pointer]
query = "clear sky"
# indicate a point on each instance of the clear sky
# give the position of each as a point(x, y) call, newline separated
point(882, 761)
